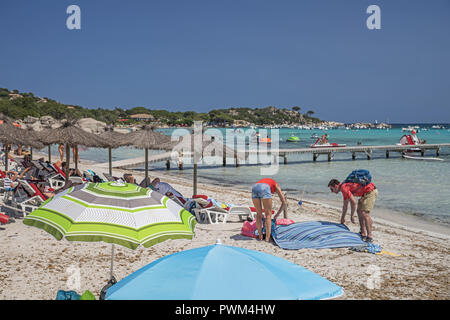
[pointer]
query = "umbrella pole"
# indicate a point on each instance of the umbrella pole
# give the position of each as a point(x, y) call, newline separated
point(111, 276)
point(6, 156)
point(110, 161)
point(76, 157)
point(49, 154)
point(67, 162)
point(146, 168)
point(195, 179)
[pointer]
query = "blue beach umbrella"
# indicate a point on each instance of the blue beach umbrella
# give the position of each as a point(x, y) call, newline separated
point(221, 272)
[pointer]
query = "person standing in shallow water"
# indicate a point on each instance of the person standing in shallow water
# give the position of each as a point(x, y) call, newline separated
point(262, 200)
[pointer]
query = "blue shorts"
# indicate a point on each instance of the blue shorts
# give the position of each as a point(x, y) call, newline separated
point(261, 191)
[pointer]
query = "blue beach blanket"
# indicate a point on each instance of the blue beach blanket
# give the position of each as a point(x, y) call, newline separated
point(316, 235)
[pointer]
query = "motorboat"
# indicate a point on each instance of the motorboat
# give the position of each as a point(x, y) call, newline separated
point(293, 139)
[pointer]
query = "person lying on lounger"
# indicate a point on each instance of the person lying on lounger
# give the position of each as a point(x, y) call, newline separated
point(165, 188)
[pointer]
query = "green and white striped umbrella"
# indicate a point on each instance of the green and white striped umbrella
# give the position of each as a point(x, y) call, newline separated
point(117, 213)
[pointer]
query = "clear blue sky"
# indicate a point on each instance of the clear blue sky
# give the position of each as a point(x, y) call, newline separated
point(200, 55)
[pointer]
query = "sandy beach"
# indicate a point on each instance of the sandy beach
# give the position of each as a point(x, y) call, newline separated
point(34, 265)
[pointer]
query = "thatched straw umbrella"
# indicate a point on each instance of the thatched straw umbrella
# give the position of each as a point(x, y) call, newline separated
point(72, 136)
point(197, 144)
point(147, 138)
point(10, 134)
point(117, 139)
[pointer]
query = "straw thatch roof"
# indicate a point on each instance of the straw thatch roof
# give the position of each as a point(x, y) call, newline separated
point(148, 138)
point(117, 139)
point(72, 135)
point(10, 134)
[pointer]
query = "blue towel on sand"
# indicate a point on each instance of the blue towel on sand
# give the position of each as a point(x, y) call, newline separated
point(316, 235)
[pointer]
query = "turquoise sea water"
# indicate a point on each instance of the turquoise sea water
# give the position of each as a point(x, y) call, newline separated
point(421, 188)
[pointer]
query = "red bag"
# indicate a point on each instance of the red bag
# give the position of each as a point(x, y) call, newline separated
point(284, 222)
point(249, 228)
point(4, 218)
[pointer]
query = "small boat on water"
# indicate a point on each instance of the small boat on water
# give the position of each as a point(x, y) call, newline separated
point(327, 145)
point(293, 139)
point(404, 156)
point(265, 140)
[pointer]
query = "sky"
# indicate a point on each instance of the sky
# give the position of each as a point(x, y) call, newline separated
point(208, 54)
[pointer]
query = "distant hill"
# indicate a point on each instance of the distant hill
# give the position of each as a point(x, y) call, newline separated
point(19, 105)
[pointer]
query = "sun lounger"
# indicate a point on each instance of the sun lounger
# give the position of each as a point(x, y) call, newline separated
point(76, 180)
point(28, 197)
point(110, 177)
point(57, 180)
point(210, 211)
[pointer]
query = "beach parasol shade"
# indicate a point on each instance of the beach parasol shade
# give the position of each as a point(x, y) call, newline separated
point(147, 138)
point(221, 272)
point(72, 136)
point(10, 134)
point(113, 212)
point(117, 213)
point(200, 145)
point(117, 139)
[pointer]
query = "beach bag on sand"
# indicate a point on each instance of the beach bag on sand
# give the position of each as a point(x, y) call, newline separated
point(360, 176)
point(249, 228)
point(67, 295)
point(4, 218)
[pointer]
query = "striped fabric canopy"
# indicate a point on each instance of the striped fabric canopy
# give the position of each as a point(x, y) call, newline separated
point(119, 213)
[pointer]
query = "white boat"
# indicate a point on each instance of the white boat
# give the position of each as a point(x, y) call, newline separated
point(421, 158)
point(327, 145)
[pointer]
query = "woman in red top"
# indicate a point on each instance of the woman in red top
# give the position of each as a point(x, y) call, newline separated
point(262, 198)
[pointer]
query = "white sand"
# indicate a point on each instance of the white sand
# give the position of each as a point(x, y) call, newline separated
point(34, 265)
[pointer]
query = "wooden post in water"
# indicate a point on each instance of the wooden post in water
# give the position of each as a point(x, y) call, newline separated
point(315, 157)
point(369, 154)
point(285, 158)
point(168, 164)
point(329, 156)
point(387, 154)
point(353, 155)
point(422, 152)
point(437, 152)
point(236, 159)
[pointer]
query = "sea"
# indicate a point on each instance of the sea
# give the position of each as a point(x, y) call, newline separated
point(415, 187)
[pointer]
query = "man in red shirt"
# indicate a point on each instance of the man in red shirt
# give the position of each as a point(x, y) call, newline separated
point(367, 194)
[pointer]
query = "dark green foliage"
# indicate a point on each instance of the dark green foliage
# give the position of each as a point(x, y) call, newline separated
point(18, 107)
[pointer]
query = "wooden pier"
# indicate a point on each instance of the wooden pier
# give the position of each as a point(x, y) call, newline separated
point(283, 153)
